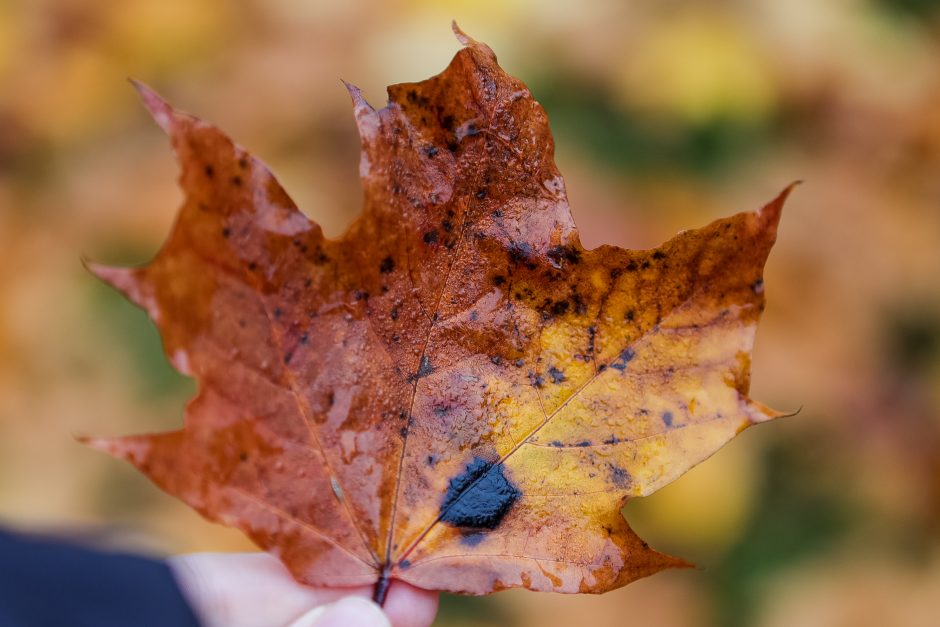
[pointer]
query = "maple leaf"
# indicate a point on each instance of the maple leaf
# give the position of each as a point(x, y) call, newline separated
point(455, 393)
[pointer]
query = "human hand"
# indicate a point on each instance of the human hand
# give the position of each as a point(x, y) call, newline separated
point(255, 590)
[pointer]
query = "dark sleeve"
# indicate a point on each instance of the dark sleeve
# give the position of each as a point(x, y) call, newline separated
point(46, 583)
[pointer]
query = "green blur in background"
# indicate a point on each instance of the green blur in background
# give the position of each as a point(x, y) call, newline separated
point(667, 114)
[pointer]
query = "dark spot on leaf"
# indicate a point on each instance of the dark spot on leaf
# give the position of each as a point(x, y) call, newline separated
point(556, 443)
point(520, 252)
point(479, 497)
point(557, 375)
point(393, 314)
point(659, 255)
point(387, 265)
point(430, 151)
point(210, 171)
point(560, 255)
point(583, 443)
point(243, 163)
point(499, 280)
point(278, 312)
point(631, 267)
point(425, 368)
point(430, 237)
point(620, 477)
point(667, 418)
point(237, 181)
point(625, 356)
point(472, 539)
point(226, 232)
point(536, 379)
point(630, 315)
point(404, 565)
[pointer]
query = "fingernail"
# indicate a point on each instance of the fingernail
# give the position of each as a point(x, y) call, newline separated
point(347, 612)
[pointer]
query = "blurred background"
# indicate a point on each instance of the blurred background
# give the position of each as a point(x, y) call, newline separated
point(667, 114)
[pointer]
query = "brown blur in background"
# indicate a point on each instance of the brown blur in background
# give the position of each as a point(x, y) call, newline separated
point(667, 114)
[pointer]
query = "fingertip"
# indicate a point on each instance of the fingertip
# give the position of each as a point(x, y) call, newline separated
point(408, 606)
point(347, 612)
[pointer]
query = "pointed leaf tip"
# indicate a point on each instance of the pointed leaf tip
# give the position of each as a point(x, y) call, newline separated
point(461, 36)
point(356, 95)
point(160, 110)
point(758, 413)
point(121, 279)
point(366, 117)
point(772, 210)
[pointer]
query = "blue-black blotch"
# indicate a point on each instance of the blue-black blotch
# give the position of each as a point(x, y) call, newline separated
point(479, 497)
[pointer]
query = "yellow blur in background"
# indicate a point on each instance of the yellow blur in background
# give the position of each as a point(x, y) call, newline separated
point(667, 114)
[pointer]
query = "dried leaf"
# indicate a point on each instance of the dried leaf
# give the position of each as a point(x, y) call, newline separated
point(456, 393)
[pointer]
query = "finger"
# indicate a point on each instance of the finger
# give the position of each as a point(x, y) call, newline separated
point(408, 606)
point(247, 589)
point(347, 612)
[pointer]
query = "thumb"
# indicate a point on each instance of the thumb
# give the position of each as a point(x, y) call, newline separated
point(347, 612)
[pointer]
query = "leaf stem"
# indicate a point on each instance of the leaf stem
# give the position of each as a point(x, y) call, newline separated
point(381, 587)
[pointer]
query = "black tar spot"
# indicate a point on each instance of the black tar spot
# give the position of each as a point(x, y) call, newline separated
point(620, 477)
point(626, 355)
point(472, 539)
point(430, 237)
point(425, 369)
point(479, 497)
point(557, 375)
point(387, 265)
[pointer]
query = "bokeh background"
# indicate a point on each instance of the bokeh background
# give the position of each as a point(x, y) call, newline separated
point(667, 113)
